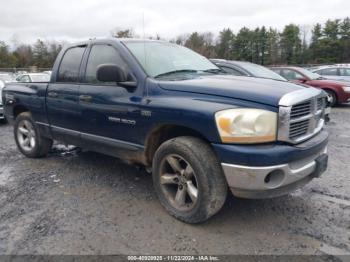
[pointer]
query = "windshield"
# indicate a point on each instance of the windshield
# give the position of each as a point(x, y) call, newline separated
point(260, 71)
point(40, 78)
point(161, 58)
point(308, 74)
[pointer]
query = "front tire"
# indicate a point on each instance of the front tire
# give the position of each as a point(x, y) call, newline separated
point(28, 138)
point(188, 179)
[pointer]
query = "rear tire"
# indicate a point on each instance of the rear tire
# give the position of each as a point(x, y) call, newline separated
point(28, 138)
point(188, 179)
point(332, 98)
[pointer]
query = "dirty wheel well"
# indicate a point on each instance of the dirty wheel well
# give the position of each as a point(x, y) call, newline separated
point(164, 133)
point(18, 110)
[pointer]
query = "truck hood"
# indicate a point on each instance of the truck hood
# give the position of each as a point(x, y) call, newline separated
point(264, 91)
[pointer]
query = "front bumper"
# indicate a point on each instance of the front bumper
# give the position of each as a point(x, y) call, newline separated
point(267, 171)
point(271, 181)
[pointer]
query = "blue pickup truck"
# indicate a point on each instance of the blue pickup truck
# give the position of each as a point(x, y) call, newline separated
point(198, 130)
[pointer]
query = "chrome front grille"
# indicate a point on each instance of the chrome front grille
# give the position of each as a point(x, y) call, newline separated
point(301, 115)
point(298, 129)
point(300, 110)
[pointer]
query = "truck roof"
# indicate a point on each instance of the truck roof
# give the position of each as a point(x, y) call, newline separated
point(114, 39)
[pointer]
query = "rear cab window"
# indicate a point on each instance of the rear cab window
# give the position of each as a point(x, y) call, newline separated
point(70, 65)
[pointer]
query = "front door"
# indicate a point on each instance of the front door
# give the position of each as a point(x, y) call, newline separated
point(110, 113)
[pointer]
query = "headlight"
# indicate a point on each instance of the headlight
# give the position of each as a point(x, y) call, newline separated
point(346, 89)
point(246, 125)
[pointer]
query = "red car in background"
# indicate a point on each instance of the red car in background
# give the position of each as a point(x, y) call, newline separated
point(338, 92)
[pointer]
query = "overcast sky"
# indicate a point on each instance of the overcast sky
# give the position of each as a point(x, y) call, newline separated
point(79, 20)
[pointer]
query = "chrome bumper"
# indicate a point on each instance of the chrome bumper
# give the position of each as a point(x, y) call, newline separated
point(270, 181)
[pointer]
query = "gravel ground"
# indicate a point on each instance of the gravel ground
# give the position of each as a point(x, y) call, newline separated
point(87, 203)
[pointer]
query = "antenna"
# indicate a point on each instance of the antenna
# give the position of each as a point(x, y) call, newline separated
point(143, 24)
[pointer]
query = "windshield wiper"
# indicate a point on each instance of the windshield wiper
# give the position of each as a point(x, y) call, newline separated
point(176, 72)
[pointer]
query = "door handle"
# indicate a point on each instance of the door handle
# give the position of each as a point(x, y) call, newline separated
point(85, 98)
point(52, 94)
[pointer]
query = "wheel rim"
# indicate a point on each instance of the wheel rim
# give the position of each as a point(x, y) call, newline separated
point(178, 182)
point(26, 135)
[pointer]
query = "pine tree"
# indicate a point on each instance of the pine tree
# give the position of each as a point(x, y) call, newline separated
point(41, 56)
point(273, 48)
point(225, 44)
point(244, 45)
point(345, 40)
point(291, 44)
point(315, 42)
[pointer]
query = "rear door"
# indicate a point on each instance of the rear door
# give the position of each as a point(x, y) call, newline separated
point(110, 113)
point(63, 97)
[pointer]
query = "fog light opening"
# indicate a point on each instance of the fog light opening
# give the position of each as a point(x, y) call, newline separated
point(274, 178)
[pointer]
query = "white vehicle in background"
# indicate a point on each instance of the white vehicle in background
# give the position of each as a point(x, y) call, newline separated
point(335, 72)
point(33, 77)
point(7, 77)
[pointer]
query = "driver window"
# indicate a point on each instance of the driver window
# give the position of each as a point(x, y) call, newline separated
point(103, 54)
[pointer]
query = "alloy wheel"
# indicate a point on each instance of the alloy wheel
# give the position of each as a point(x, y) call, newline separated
point(178, 182)
point(26, 135)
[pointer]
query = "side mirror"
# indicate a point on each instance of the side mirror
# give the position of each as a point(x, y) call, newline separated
point(110, 73)
point(113, 73)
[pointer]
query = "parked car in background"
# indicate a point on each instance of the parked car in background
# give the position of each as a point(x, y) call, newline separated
point(200, 131)
point(340, 73)
point(241, 68)
point(338, 92)
point(7, 77)
point(49, 72)
point(33, 77)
